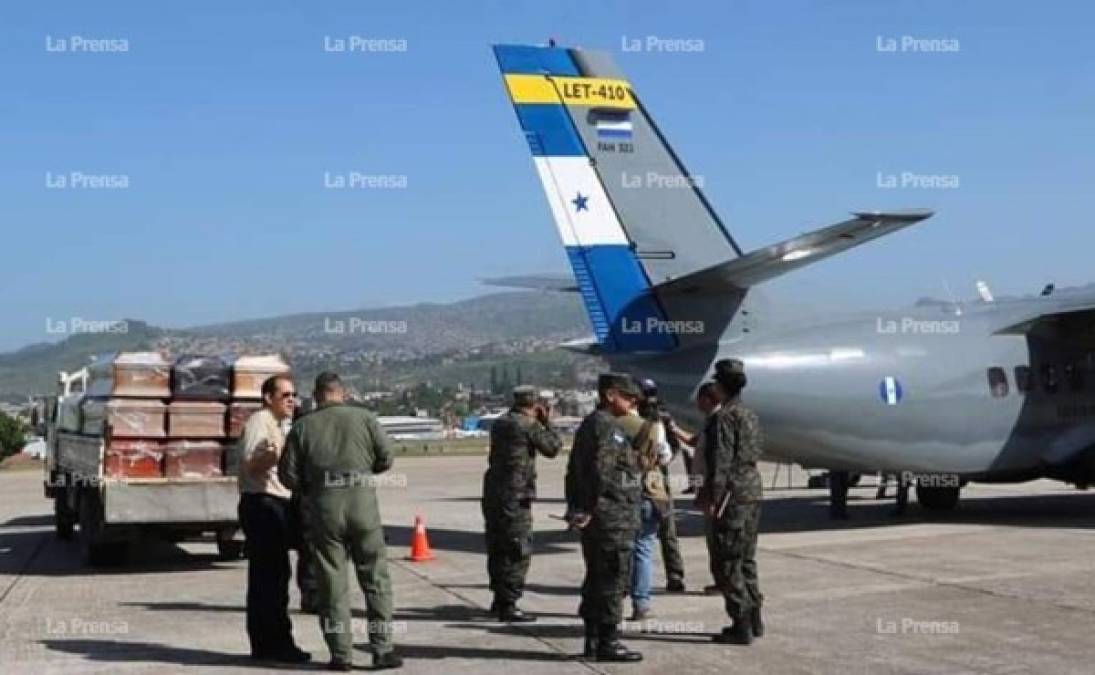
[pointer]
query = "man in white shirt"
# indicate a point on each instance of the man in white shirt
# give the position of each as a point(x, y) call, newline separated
point(266, 520)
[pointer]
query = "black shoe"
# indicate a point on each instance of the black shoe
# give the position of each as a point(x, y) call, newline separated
point(675, 586)
point(387, 660)
point(511, 614)
point(739, 634)
point(757, 623)
point(713, 589)
point(616, 651)
point(341, 666)
point(589, 649)
point(641, 614)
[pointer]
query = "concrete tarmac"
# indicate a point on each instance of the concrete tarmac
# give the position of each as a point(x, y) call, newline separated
point(1004, 584)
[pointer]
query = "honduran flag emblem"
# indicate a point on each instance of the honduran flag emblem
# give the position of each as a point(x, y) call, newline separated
point(889, 390)
point(613, 126)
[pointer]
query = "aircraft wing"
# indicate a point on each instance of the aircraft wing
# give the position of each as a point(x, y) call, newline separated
point(1068, 314)
point(778, 259)
point(536, 282)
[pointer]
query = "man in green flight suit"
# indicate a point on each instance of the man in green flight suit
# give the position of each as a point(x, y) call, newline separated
point(509, 488)
point(730, 495)
point(603, 493)
point(332, 457)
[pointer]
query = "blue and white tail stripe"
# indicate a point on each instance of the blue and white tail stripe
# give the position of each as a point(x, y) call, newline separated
point(614, 287)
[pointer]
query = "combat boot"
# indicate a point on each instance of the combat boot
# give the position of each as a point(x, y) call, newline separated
point(387, 660)
point(509, 613)
point(757, 622)
point(740, 633)
point(609, 647)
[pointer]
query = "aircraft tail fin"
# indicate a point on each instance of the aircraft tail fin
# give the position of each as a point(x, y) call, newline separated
point(591, 140)
point(637, 229)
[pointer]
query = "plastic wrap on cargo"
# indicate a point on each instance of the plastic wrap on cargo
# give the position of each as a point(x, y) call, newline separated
point(136, 374)
point(202, 377)
point(194, 459)
point(249, 372)
point(238, 414)
point(100, 375)
point(125, 418)
point(125, 458)
point(145, 374)
point(196, 419)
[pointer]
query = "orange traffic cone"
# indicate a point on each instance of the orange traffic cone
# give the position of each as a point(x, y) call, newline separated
point(420, 543)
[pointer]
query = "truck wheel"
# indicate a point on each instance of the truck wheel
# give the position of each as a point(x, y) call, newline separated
point(64, 520)
point(938, 498)
point(228, 547)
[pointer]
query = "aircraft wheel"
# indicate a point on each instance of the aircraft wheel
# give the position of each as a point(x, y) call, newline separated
point(938, 498)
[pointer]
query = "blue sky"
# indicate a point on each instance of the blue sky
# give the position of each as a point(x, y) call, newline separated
point(224, 117)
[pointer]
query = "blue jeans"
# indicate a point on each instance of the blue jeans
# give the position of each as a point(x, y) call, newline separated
point(642, 561)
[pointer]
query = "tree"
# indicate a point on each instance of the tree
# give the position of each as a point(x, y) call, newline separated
point(13, 435)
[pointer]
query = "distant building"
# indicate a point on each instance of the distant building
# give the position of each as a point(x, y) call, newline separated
point(404, 428)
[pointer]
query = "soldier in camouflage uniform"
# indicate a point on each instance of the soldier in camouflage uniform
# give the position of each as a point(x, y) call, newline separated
point(509, 488)
point(731, 494)
point(603, 492)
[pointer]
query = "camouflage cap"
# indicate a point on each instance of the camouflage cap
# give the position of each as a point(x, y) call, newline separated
point(728, 368)
point(621, 382)
point(524, 395)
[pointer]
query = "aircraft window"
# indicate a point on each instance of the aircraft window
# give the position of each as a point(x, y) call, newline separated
point(1023, 381)
point(1075, 377)
point(998, 382)
point(1049, 378)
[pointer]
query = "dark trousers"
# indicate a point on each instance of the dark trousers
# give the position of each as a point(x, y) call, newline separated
point(265, 520)
point(607, 556)
point(509, 547)
point(667, 537)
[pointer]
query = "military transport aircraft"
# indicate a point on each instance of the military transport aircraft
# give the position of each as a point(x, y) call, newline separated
point(987, 391)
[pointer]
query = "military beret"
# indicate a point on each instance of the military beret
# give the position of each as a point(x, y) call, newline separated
point(621, 382)
point(728, 368)
point(524, 394)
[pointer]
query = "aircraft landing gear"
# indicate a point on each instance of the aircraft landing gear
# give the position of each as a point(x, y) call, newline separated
point(937, 498)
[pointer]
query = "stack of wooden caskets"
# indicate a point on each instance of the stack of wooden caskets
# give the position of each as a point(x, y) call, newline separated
point(172, 418)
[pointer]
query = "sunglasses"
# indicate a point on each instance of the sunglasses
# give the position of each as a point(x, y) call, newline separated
point(287, 394)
